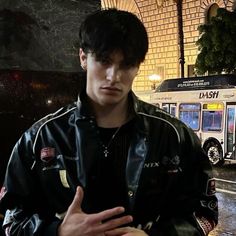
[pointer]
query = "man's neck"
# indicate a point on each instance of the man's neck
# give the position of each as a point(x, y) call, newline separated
point(111, 116)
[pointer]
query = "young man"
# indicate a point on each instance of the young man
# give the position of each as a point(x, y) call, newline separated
point(109, 164)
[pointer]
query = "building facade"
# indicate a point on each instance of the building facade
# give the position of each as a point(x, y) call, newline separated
point(160, 19)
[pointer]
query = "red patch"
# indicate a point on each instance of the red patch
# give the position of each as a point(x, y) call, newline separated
point(211, 187)
point(2, 192)
point(47, 154)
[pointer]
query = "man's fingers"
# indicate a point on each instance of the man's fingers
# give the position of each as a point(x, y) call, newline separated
point(107, 217)
point(77, 201)
point(104, 215)
point(129, 231)
point(118, 231)
point(114, 223)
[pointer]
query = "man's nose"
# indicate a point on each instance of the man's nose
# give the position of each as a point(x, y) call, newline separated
point(113, 74)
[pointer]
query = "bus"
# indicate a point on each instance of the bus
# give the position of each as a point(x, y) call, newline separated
point(207, 105)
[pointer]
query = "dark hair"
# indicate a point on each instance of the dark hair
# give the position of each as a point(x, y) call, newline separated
point(105, 31)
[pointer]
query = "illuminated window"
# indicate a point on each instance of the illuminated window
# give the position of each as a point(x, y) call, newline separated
point(212, 117)
point(212, 11)
point(189, 113)
point(191, 71)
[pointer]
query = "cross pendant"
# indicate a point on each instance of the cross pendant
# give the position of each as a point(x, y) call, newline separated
point(106, 152)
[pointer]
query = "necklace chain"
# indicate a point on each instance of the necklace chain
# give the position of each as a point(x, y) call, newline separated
point(105, 151)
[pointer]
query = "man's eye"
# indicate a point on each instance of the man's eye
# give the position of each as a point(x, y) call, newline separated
point(126, 66)
point(104, 62)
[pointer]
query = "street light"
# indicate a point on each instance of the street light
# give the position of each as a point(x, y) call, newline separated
point(154, 79)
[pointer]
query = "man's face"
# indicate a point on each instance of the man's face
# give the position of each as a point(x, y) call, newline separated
point(109, 81)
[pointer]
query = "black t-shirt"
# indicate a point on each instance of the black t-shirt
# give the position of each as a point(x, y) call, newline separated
point(109, 185)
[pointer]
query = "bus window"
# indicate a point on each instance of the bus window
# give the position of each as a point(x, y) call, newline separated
point(231, 119)
point(165, 107)
point(173, 110)
point(170, 108)
point(189, 113)
point(212, 117)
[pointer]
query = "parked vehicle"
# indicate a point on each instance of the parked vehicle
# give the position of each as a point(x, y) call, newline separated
point(206, 104)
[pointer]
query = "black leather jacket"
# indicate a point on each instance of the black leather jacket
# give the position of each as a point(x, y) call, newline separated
point(170, 188)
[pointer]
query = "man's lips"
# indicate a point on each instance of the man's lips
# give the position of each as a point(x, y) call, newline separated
point(112, 89)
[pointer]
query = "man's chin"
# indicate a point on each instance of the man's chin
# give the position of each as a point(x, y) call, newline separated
point(109, 101)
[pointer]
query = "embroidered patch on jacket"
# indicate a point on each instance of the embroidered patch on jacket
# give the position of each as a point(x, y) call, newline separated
point(2, 192)
point(211, 187)
point(172, 164)
point(47, 154)
point(64, 178)
point(212, 205)
point(171, 161)
point(205, 224)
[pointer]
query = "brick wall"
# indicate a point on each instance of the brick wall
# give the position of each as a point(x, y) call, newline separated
point(161, 24)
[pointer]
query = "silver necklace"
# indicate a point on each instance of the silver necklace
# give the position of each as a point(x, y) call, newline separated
point(105, 147)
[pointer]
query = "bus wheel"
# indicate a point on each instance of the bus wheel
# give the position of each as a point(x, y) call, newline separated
point(214, 153)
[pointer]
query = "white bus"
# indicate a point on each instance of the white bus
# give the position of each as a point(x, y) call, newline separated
point(207, 105)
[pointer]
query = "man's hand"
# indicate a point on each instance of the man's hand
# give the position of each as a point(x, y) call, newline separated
point(78, 223)
point(126, 231)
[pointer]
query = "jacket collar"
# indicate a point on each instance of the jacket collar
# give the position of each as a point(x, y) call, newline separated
point(85, 109)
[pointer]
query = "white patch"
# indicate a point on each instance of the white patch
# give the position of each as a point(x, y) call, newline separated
point(63, 178)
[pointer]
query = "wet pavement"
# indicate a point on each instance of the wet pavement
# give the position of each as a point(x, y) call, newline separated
point(227, 215)
point(226, 193)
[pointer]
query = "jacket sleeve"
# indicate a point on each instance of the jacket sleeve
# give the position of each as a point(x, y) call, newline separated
point(198, 186)
point(193, 208)
point(206, 210)
point(26, 208)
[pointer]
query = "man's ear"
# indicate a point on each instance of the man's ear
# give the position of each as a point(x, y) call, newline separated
point(83, 59)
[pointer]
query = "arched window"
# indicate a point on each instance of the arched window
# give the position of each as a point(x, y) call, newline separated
point(212, 11)
point(130, 6)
